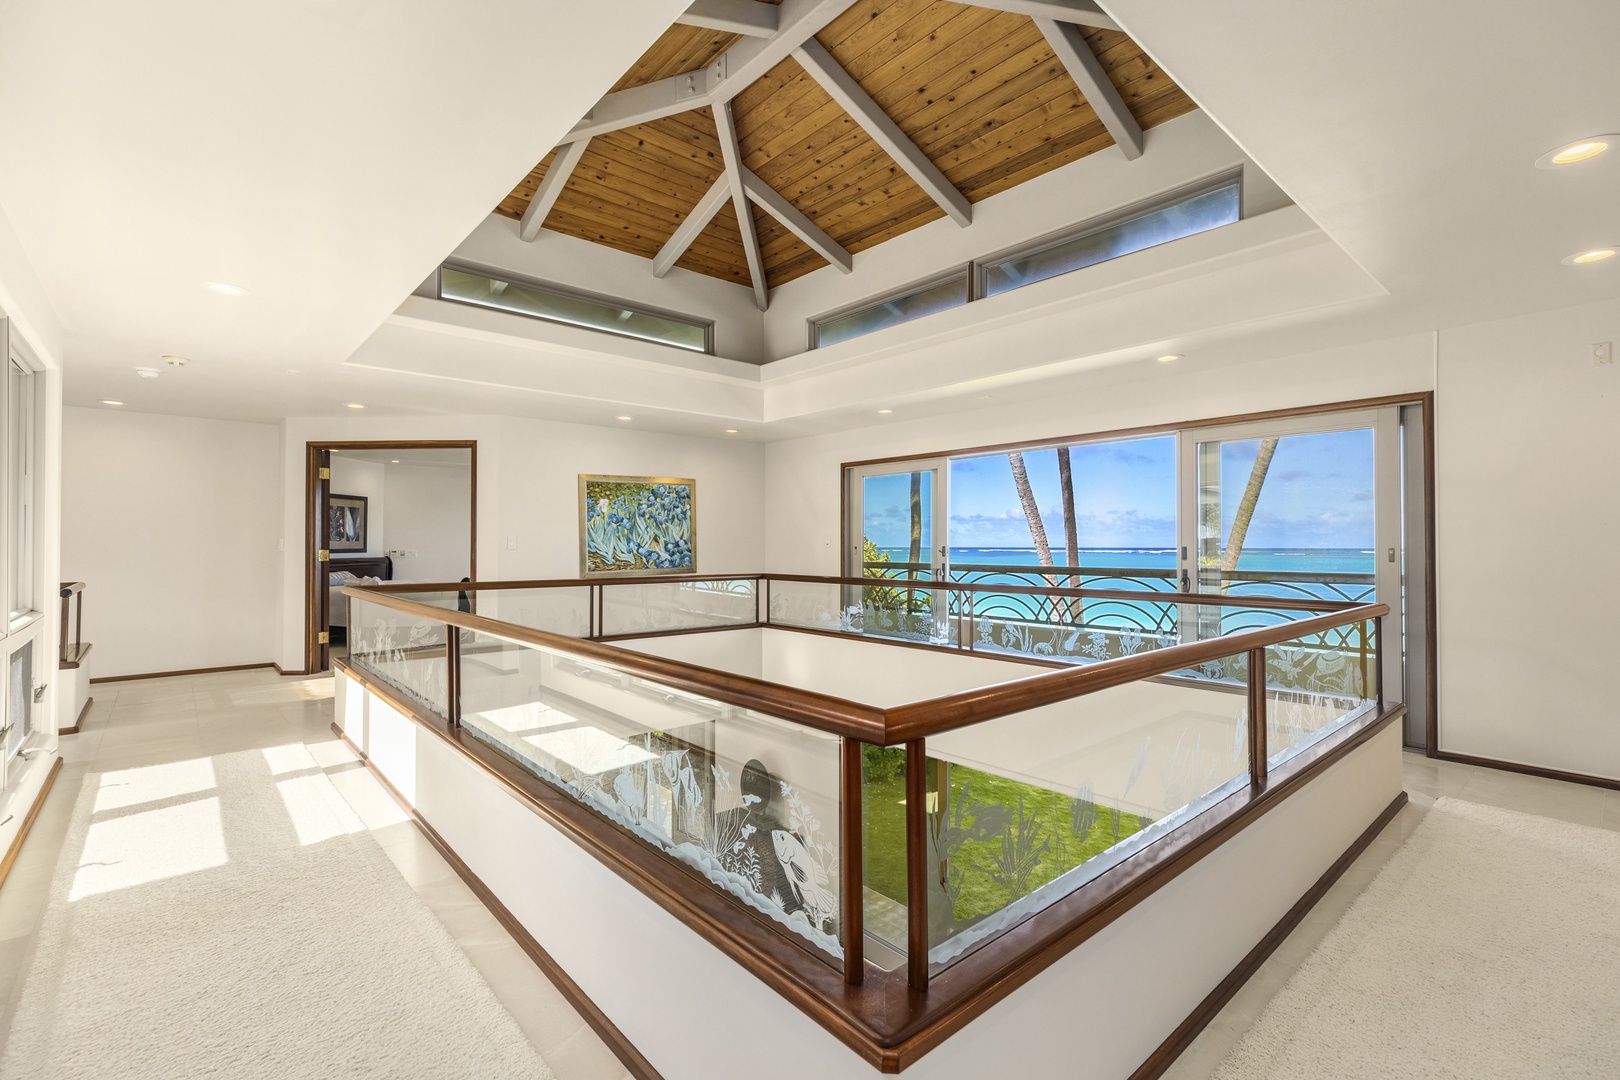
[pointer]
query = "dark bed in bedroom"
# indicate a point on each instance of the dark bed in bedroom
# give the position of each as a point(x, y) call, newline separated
point(361, 566)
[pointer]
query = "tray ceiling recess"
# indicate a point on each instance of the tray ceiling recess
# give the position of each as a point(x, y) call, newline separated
point(836, 125)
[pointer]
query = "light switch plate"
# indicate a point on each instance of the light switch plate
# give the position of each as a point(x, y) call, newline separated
point(1602, 353)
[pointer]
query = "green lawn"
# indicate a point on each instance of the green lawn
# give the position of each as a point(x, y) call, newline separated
point(1047, 827)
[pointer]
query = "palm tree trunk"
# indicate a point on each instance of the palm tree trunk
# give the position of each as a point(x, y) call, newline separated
point(916, 533)
point(1032, 514)
point(1071, 528)
point(1245, 510)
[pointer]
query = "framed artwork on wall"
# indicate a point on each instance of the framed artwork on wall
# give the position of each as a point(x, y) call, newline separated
point(633, 526)
point(348, 517)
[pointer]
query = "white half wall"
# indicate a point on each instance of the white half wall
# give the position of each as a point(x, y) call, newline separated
point(1528, 485)
point(1157, 961)
point(171, 523)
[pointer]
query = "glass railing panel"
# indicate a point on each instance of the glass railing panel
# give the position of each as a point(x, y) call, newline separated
point(883, 854)
point(1317, 684)
point(1025, 809)
point(406, 651)
point(890, 607)
point(1080, 629)
point(630, 607)
point(563, 609)
point(749, 802)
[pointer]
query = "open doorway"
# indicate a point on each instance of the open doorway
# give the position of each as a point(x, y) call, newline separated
point(401, 511)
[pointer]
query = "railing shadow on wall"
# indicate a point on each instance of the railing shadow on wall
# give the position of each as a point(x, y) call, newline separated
point(897, 920)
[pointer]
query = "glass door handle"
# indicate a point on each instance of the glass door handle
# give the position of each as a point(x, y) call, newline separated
point(1186, 582)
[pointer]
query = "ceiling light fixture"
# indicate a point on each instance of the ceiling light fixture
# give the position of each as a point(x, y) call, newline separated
point(393, 461)
point(1576, 152)
point(148, 372)
point(626, 418)
point(175, 361)
point(885, 412)
point(1167, 357)
point(1587, 258)
point(353, 405)
point(110, 401)
point(224, 288)
point(731, 431)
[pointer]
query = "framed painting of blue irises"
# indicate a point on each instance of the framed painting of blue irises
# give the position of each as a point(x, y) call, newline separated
point(637, 526)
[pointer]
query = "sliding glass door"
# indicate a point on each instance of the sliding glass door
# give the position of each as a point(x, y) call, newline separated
point(897, 519)
point(1306, 507)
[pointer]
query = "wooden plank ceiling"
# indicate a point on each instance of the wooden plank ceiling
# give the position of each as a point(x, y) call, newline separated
point(979, 91)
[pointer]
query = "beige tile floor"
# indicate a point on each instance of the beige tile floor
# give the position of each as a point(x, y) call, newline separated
point(1426, 781)
point(153, 721)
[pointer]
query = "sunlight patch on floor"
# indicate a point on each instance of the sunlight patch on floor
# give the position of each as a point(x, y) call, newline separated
point(131, 787)
point(150, 846)
point(316, 811)
point(293, 757)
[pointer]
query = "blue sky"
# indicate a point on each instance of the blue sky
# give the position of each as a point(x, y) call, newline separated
point(1318, 494)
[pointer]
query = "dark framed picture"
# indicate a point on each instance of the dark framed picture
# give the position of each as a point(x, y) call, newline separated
point(348, 517)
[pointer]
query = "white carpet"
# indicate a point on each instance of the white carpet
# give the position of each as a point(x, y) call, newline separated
point(231, 917)
point(1488, 946)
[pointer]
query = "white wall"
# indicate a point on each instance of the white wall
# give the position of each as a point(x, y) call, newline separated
point(172, 524)
point(351, 476)
point(1528, 520)
point(429, 507)
point(528, 494)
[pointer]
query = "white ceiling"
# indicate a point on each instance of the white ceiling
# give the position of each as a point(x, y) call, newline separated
point(323, 154)
point(1409, 132)
point(326, 154)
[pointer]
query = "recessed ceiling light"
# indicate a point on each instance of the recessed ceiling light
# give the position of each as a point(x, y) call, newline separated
point(110, 401)
point(626, 418)
point(885, 412)
point(353, 405)
point(147, 372)
point(393, 461)
point(731, 431)
point(1167, 357)
point(1586, 258)
point(224, 288)
point(1576, 152)
point(175, 361)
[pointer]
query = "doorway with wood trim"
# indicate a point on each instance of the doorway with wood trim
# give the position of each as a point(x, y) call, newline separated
point(351, 535)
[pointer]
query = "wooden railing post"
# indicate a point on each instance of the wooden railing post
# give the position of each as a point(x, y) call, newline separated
point(1378, 658)
point(851, 856)
point(917, 864)
point(1257, 718)
point(452, 659)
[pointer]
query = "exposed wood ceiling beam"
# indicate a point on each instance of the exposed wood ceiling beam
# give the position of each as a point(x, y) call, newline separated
point(1083, 12)
point(739, 201)
point(738, 68)
point(550, 187)
point(751, 18)
point(796, 222)
point(696, 221)
point(1069, 43)
point(842, 88)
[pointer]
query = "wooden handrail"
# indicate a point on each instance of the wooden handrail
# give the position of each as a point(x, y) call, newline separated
point(896, 724)
point(1280, 603)
point(824, 712)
